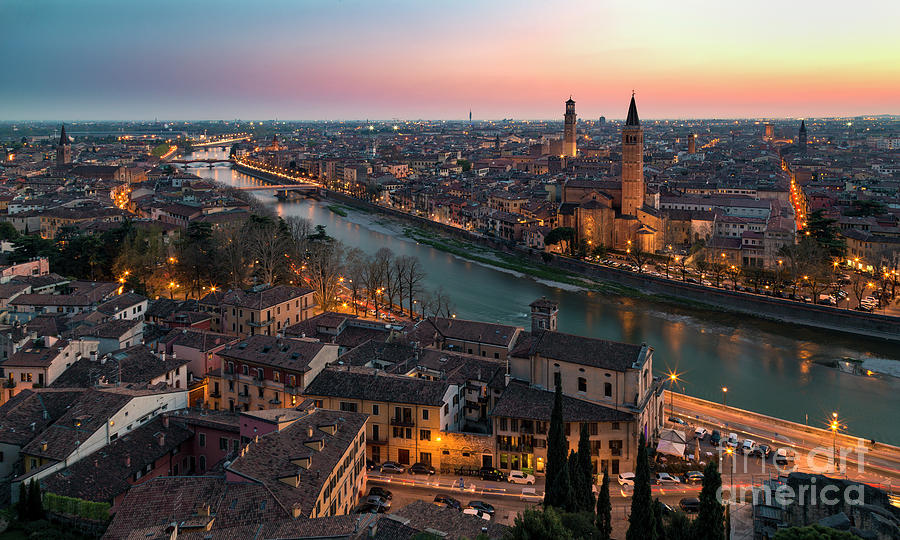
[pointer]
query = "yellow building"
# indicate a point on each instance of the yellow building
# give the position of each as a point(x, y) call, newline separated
point(266, 311)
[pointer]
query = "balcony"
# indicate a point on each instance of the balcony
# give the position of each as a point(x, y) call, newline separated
point(9, 383)
point(382, 439)
point(405, 421)
point(275, 401)
point(520, 447)
point(243, 398)
point(261, 324)
point(215, 394)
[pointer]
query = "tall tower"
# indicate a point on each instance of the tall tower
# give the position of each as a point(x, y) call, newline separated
point(63, 149)
point(692, 143)
point(569, 149)
point(801, 139)
point(632, 162)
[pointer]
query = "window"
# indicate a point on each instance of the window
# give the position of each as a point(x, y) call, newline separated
point(424, 414)
point(223, 444)
point(262, 393)
point(202, 463)
point(503, 424)
point(446, 408)
point(594, 428)
point(375, 409)
point(424, 434)
point(615, 448)
point(348, 407)
point(607, 389)
point(557, 378)
point(202, 440)
point(245, 369)
point(582, 384)
point(615, 426)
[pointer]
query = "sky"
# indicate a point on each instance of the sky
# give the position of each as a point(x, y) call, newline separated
point(437, 59)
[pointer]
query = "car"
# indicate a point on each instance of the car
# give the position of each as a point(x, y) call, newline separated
point(701, 432)
point(677, 420)
point(666, 478)
point(693, 477)
point(366, 508)
point(690, 505)
point(446, 500)
point(715, 438)
point(370, 465)
point(421, 468)
point(392, 467)
point(747, 446)
point(626, 479)
point(782, 457)
point(491, 474)
point(377, 491)
point(760, 451)
point(476, 512)
point(519, 477)
point(732, 440)
point(378, 500)
point(664, 508)
point(482, 506)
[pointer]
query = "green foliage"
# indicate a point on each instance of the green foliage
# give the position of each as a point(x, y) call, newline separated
point(7, 231)
point(604, 509)
point(710, 522)
point(556, 452)
point(583, 475)
point(813, 532)
point(160, 150)
point(865, 208)
point(465, 164)
point(538, 525)
point(561, 234)
point(22, 504)
point(659, 529)
point(679, 527)
point(581, 525)
point(826, 233)
point(640, 522)
point(96, 511)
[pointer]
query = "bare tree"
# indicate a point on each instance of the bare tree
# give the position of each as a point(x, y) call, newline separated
point(412, 281)
point(323, 269)
point(300, 229)
point(637, 255)
point(233, 255)
point(681, 262)
point(355, 265)
point(268, 246)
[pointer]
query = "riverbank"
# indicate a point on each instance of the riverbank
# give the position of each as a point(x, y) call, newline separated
point(459, 242)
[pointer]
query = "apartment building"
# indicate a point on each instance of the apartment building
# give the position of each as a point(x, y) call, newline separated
point(40, 361)
point(266, 311)
point(265, 372)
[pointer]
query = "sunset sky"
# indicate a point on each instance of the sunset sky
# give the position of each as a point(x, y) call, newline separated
point(382, 59)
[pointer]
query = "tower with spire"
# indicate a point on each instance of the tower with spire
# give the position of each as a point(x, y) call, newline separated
point(632, 162)
point(569, 145)
point(63, 149)
point(801, 137)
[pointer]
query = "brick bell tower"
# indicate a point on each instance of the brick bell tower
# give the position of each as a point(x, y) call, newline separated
point(569, 145)
point(632, 162)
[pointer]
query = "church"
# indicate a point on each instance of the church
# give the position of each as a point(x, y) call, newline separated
point(614, 213)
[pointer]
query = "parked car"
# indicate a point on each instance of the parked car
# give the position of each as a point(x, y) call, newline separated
point(475, 512)
point(421, 468)
point(782, 457)
point(482, 506)
point(626, 479)
point(690, 505)
point(380, 501)
point(370, 465)
point(760, 451)
point(666, 478)
point(715, 438)
point(446, 500)
point(701, 432)
point(677, 420)
point(392, 467)
point(491, 474)
point(366, 508)
point(519, 477)
point(377, 491)
point(732, 440)
point(693, 477)
point(664, 508)
point(747, 446)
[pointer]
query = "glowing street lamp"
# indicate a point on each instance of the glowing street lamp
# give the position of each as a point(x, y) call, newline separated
point(724, 396)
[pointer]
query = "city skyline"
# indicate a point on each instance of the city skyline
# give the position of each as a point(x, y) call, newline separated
point(353, 60)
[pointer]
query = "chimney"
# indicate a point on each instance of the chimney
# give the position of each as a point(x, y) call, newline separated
point(161, 439)
point(309, 431)
point(128, 460)
point(164, 355)
point(43, 446)
point(165, 421)
point(373, 529)
point(174, 355)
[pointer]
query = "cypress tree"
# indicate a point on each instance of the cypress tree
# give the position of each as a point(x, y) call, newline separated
point(573, 502)
point(640, 522)
point(710, 522)
point(659, 529)
point(563, 489)
point(22, 505)
point(584, 494)
point(604, 509)
point(557, 448)
point(35, 506)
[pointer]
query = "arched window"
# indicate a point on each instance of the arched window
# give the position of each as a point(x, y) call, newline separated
point(607, 389)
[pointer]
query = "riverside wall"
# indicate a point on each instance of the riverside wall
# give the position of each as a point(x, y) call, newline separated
point(767, 307)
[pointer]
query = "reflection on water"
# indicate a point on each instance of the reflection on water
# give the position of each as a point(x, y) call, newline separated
point(767, 367)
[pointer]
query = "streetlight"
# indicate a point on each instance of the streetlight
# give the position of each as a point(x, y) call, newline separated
point(730, 452)
point(834, 426)
point(724, 396)
point(673, 378)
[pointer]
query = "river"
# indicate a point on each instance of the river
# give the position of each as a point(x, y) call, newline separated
point(767, 367)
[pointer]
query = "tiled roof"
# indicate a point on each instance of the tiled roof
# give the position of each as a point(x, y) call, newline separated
point(475, 331)
point(120, 302)
point(423, 515)
point(195, 339)
point(40, 407)
point(522, 401)
point(580, 350)
point(112, 329)
point(105, 474)
point(274, 457)
point(36, 354)
point(266, 298)
point(137, 364)
point(374, 385)
point(284, 353)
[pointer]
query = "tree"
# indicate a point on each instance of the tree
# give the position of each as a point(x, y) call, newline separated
point(268, 242)
point(825, 233)
point(584, 496)
point(813, 532)
point(562, 486)
point(323, 270)
point(680, 527)
point(7, 231)
point(412, 279)
point(859, 283)
point(538, 525)
point(637, 255)
point(640, 522)
point(232, 256)
point(556, 450)
point(565, 235)
point(681, 263)
point(659, 529)
point(604, 509)
point(35, 505)
point(710, 522)
point(580, 524)
point(733, 272)
point(22, 503)
point(195, 251)
point(355, 264)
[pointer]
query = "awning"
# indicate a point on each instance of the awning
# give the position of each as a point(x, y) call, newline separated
point(670, 448)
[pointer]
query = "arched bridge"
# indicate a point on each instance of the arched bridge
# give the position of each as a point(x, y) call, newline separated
point(210, 162)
